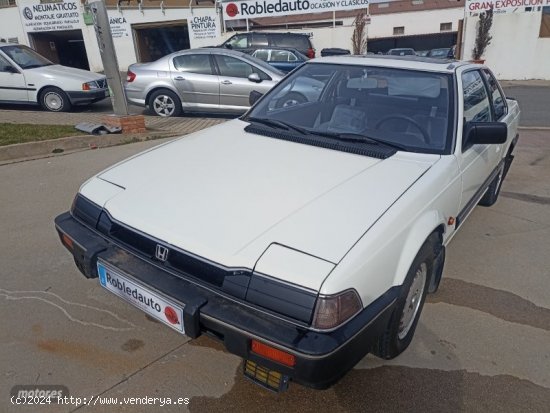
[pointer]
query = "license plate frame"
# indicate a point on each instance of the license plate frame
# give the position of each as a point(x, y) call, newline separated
point(154, 303)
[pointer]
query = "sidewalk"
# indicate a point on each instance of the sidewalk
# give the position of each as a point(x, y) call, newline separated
point(175, 126)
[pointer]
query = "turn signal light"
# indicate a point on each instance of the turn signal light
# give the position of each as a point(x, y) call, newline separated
point(68, 242)
point(272, 353)
point(310, 53)
point(333, 310)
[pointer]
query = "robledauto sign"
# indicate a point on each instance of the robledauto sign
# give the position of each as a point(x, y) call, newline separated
point(233, 10)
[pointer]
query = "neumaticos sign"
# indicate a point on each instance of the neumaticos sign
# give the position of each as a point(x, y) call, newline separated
point(263, 8)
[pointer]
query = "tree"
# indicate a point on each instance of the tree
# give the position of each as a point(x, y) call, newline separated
point(483, 38)
point(359, 39)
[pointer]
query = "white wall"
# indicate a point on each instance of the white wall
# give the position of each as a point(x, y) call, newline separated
point(124, 46)
point(10, 25)
point(516, 52)
point(415, 22)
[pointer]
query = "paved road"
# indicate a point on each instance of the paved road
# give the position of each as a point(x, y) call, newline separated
point(534, 101)
point(482, 345)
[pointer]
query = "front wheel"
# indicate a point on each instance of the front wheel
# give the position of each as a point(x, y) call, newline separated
point(404, 319)
point(165, 103)
point(54, 99)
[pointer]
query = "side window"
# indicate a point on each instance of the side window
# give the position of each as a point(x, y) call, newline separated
point(259, 40)
point(239, 41)
point(261, 54)
point(279, 56)
point(194, 63)
point(232, 67)
point(476, 101)
point(499, 102)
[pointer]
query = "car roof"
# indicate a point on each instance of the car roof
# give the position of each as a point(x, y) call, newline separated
point(277, 33)
point(401, 62)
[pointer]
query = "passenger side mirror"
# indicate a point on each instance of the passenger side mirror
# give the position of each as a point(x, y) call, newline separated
point(254, 97)
point(254, 77)
point(484, 133)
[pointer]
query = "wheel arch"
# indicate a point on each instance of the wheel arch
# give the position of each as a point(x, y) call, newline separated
point(430, 223)
point(156, 88)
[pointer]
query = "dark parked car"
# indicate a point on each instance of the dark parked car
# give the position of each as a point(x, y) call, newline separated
point(258, 40)
point(402, 52)
point(283, 59)
point(441, 53)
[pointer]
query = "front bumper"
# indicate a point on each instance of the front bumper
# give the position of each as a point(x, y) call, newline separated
point(321, 357)
point(89, 96)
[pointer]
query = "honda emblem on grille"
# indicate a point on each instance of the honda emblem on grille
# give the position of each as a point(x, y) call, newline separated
point(161, 253)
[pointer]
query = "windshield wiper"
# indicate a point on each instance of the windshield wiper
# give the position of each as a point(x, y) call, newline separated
point(357, 137)
point(279, 124)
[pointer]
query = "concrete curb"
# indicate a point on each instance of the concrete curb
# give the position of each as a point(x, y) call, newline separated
point(33, 150)
point(534, 128)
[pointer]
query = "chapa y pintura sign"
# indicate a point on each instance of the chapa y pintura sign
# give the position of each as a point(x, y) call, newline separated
point(234, 10)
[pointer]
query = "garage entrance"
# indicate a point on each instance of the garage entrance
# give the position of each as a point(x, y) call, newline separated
point(63, 47)
point(159, 39)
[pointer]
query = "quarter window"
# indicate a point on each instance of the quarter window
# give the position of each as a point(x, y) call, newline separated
point(193, 63)
point(476, 101)
point(499, 102)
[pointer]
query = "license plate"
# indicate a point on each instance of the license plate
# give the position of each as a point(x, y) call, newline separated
point(154, 304)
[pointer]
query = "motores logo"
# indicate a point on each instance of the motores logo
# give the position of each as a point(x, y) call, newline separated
point(27, 13)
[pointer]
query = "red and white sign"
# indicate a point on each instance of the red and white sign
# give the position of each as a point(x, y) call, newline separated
point(503, 6)
point(234, 10)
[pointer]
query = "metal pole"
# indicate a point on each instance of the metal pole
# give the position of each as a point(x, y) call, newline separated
point(108, 57)
point(333, 19)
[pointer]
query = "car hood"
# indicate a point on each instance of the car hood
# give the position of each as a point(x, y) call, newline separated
point(226, 195)
point(64, 73)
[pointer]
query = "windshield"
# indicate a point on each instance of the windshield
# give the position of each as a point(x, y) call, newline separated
point(404, 108)
point(25, 57)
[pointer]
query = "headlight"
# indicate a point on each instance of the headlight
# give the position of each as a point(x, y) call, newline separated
point(90, 85)
point(333, 310)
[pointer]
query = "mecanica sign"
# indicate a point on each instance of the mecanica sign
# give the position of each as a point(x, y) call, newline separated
point(233, 10)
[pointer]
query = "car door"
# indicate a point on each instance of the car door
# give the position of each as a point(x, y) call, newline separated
point(195, 79)
point(13, 87)
point(235, 87)
point(476, 162)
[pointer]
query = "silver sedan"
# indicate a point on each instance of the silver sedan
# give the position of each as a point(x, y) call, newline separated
point(199, 80)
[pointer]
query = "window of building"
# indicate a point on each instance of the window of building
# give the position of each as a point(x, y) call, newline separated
point(445, 27)
point(398, 30)
point(7, 3)
point(545, 22)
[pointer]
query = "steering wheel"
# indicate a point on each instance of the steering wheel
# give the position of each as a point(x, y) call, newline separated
point(423, 131)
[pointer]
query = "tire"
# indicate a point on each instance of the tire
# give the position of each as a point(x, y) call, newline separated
point(54, 99)
point(402, 325)
point(165, 103)
point(491, 195)
point(291, 99)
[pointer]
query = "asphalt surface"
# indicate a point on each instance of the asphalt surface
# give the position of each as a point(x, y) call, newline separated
point(482, 344)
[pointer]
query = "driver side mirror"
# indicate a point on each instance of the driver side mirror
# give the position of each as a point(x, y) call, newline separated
point(254, 97)
point(254, 77)
point(484, 133)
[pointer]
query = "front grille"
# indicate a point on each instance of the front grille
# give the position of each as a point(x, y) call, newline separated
point(177, 260)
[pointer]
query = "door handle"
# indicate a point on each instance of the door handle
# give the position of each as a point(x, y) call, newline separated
point(179, 78)
point(226, 82)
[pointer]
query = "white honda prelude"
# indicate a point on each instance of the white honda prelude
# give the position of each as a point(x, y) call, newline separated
point(307, 232)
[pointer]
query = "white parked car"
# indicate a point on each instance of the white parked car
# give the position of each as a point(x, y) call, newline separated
point(304, 235)
point(27, 77)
